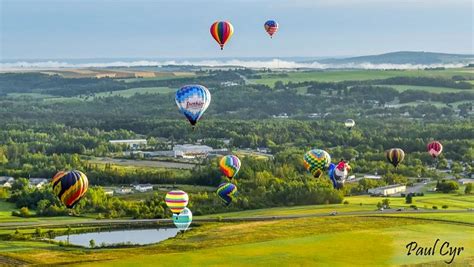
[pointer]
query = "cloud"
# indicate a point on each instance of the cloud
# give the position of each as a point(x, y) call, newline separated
point(272, 63)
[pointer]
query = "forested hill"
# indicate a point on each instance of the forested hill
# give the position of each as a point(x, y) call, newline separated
point(405, 57)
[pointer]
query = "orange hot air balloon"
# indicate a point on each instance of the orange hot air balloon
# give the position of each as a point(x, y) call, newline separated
point(222, 31)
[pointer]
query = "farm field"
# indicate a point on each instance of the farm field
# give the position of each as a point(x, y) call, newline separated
point(142, 163)
point(356, 75)
point(431, 89)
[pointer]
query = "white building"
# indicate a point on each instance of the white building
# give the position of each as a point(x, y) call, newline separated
point(191, 151)
point(143, 187)
point(388, 190)
point(38, 182)
point(375, 177)
point(123, 190)
point(6, 181)
point(465, 181)
point(133, 143)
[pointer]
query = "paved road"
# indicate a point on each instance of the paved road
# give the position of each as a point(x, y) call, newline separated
point(14, 225)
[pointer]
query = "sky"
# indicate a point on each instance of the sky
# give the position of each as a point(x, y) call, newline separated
point(54, 29)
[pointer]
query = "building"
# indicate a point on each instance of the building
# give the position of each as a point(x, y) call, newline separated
point(375, 177)
point(6, 181)
point(191, 151)
point(388, 190)
point(465, 181)
point(133, 143)
point(38, 182)
point(143, 187)
point(123, 190)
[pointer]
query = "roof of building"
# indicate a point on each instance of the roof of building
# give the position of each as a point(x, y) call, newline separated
point(389, 186)
point(128, 141)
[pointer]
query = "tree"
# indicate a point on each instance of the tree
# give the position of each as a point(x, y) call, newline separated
point(409, 199)
point(386, 203)
point(92, 243)
point(468, 189)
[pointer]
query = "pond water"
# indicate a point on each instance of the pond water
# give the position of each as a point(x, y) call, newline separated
point(138, 236)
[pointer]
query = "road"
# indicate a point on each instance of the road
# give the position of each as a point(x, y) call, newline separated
point(15, 225)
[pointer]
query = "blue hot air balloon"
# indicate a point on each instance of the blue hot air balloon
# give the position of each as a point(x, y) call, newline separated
point(192, 101)
point(183, 219)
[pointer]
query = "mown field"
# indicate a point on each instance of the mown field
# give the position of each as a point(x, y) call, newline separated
point(335, 241)
point(139, 90)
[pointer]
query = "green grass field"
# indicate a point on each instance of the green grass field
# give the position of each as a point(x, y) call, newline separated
point(334, 241)
point(355, 75)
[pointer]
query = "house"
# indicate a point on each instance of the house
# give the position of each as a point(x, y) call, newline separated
point(143, 187)
point(6, 181)
point(388, 190)
point(38, 182)
point(123, 190)
point(264, 150)
point(191, 151)
point(108, 192)
point(132, 143)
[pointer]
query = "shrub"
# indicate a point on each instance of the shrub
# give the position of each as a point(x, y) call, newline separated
point(445, 206)
point(435, 207)
point(346, 202)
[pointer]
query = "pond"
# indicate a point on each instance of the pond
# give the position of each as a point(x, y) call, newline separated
point(138, 236)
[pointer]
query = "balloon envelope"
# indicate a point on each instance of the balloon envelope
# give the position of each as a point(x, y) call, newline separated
point(183, 220)
point(176, 200)
point(317, 161)
point(435, 148)
point(349, 123)
point(227, 192)
point(70, 187)
point(192, 101)
point(271, 27)
point(395, 156)
point(229, 165)
point(221, 31)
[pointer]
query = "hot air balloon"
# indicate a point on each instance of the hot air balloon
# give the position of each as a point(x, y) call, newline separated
point(317, 161)
point(176, 200)
point(435, 148)
point(349, 123)
point(227, 192)
point(70, 187)
point(395, 156)
point(339, 173)
point(222, 31)
point(183, 220)
point(192, 101)
point(271, 27)
point(230, 166)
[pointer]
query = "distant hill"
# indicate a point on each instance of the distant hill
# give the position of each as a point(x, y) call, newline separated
point(404, 57)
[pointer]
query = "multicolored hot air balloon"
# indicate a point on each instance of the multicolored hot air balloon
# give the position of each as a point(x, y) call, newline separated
point(222, 31)
point(226, 192)
point(176, 200)
point(192, 101)
point(395, 156)
point(338, 173)
point(70, 187)
point(317, 161)
point(349, 123)
point(230, 166)
point(435, 148)
point(183, 220)
point(271, 27)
